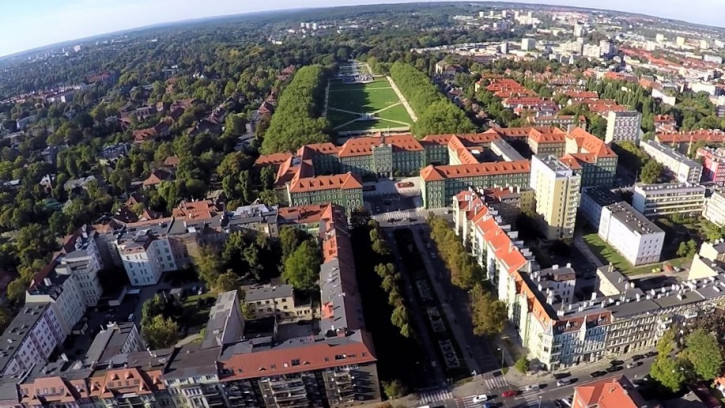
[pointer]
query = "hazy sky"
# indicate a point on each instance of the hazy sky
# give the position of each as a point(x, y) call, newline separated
point(26, 24)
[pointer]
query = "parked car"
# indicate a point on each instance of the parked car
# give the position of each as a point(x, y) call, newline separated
point(532, 387)
point(612, 369)
point(616, 362)
point(509, 393)
point(634, 364)
point(598, 373)
point(480, 398)
point(650, 354)
point(637, 357)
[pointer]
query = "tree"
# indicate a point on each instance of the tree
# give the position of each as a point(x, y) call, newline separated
point(399, 317)
point(522, 364)
point(302, 267)
point(651, 172)
point(687, 249)
point(267, 177)
point(208, 265)
point(269, 197)
point(669, 372)
point(289, 239)
point(489, 315)
point(160, 332)
point(245, 186)
point(393, 389)
point(227, 281)
point(703, 351)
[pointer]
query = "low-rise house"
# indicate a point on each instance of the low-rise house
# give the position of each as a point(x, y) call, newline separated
point(278, 301)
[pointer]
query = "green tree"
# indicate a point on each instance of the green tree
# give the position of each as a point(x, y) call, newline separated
point(227, 281)
point(267, 177)
point(393, 389)
point(489, 314)
point(289, 239)
point(245, 186)
point(208, 265)
point(651, 172)
point(160, 332)
point(269, 197)
point(522, 364)
point(302, 267)
point(669, 372)
point(703, 351)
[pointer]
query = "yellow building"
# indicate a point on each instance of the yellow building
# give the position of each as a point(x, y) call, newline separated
point(557, 195)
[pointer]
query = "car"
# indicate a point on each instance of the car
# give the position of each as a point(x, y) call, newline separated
point(532, 387)
point(508, 393)
point(130, 317)
point(480, 398)
point(612, 369)
point(637, 357)
point(598, 373)
point(563, 381)
point(616, 362)
point(650, 354)
point(634, 364)
point(559, 376)
point(566, 401)
point(487, 405)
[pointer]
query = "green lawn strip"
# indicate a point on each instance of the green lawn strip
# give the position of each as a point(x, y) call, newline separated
point(398, 113)
point(607, 254)
point(196, 313)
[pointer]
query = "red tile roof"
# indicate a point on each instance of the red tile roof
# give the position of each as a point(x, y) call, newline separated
point(433, 173)
point(707, 135)
point(345, 181)
point(274, 159)
point(363, 146)
point(616, 392)
point(303, 214)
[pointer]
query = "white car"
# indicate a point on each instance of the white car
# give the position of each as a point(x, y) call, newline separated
point(532, 387)
point(480, 398)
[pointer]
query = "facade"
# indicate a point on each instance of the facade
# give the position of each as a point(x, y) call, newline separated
point(655, 200)
point(715, 209)
point(638, 239)
point(84, 261)
point(62, 292)
point(592, 202)
point(557, 195)
point(616, 392)
point(341, 189)
point(713, 162)
point(438, 183)
point(528, 44)
point(590, 157)
point(682, 141)
point(279, 301)
point(679, 166)
point(30, 338)
point(623, 126)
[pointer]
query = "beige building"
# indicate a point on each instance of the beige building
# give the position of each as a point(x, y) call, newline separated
point(623, 125)
point(557, 195)
point(681, 167)
point(655, 200)
point(715, 209)
point(279, 301)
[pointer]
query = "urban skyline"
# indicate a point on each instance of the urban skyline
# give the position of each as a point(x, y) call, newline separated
point(34, 24)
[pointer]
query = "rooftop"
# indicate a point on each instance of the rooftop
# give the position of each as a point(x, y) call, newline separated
point(671, 153)
point(600, 195)
point(633, 219)
point(254, 294)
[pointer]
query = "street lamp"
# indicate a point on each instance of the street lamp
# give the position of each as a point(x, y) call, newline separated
point(501, 349)
point(539, 401)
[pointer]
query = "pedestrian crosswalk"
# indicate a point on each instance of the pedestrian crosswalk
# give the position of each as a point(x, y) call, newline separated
point(434, 395)
point(497, 382)
point(467, 402)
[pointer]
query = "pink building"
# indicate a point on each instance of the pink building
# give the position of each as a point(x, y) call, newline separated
point(713, 165)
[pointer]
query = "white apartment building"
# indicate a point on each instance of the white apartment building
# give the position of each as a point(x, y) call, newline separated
point(146, 256)
point(84, 261)
point(557, 195)
point(638, 239)
point(681, 167)
point(63, 293)
point(655, 200)
point(623, 125)
point(30, 339)
point(715, 209)
point(528, 44)
point(592, 202)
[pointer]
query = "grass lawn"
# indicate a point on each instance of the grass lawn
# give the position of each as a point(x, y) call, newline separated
point(196, 309)
point(365, 98)
point(607, 254)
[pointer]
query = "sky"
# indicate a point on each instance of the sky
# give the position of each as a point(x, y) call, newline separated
point(27, 24)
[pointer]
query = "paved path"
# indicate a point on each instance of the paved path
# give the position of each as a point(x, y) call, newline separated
point(372, 113)
point(402, 99)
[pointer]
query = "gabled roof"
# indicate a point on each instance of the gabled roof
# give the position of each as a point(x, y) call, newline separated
point(157, 176)
point(472, 170)
point(588, 143)
point(616, 392)
point(430, 173)
point(347, 181)
point(274, 159)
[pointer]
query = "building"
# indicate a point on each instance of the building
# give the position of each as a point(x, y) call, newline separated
point(30, 338)
point(713, 163)
point(342, 189)
point(618, 318)
point(557, 190)
point(623, 125)
point(279, 301)
point(62, 291)
point(146, 253)
point(115, 338)
point(255, 218)
point(528, 44)
point(715, 209)
point(665, 123)
point(225, 325)
point(592, 201)
point(655, 200)
point(590, 157)
point(682, 141)
point(680, 167)
point(638, 239)
point(615, 392)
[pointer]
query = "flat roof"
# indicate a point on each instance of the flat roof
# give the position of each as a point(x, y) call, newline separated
point(633, 219)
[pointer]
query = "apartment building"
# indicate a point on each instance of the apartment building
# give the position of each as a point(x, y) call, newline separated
point(713, 162)
point(539, 139)
point(510, 202)
point(62, 292)
point(623, 126)
point(561, 331)
point(557, 190)
point(83, 261)
point(592, 201)
point(715, 209)
point(638, 239)
point(608, 393)
point(342, 189)
point(279, 301)
point(115, 338)
point(590, 157)
point(30, 338)
point(680, 167)
point(656, 200)
point(259, 218)
point(682, 141)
